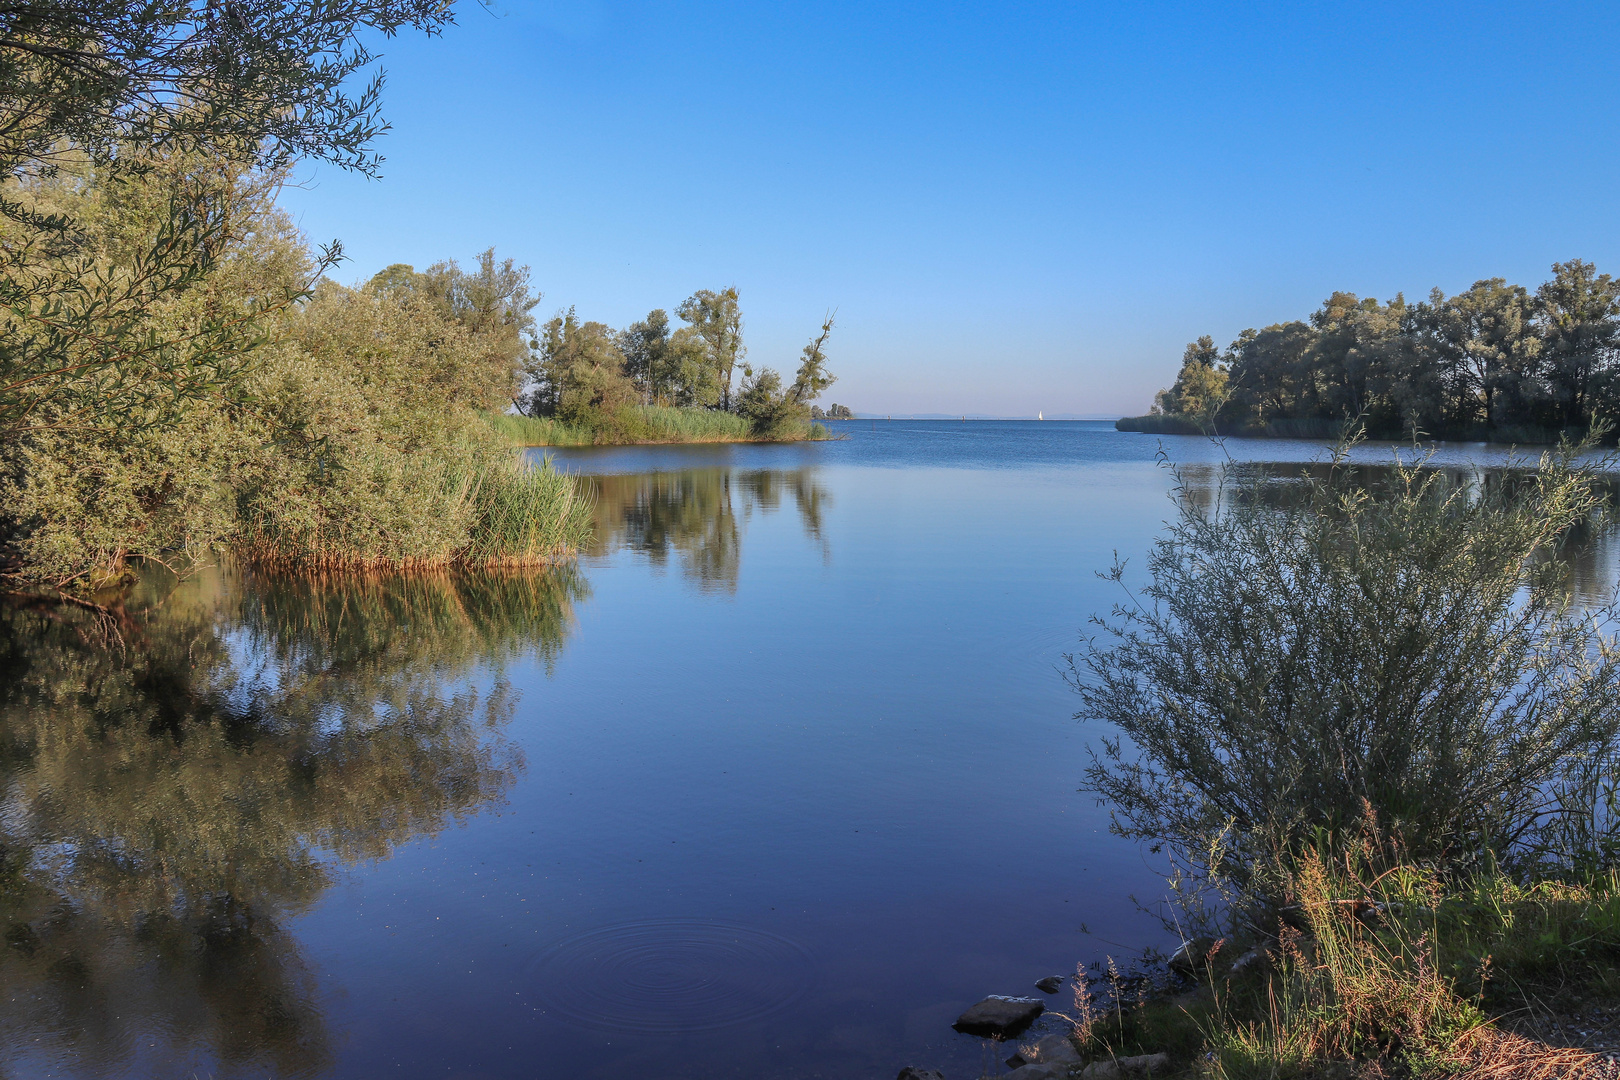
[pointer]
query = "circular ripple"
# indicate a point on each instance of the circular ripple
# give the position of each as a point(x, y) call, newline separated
point(671, 975)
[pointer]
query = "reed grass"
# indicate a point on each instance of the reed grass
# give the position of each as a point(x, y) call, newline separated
point(477, 510)
point(642, 424)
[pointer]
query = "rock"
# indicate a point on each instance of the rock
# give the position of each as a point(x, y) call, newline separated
point(1056, 1050)
point(999, 1017)
point(1016, 1062)
point(1255, 959)
point(1050, 984)
point(1191, 958)
point(1128, 1068)
point(911, 1072)
point(1038, 1072)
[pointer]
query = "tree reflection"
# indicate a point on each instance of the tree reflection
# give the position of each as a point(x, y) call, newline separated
point(1591, 550)
point(180, 777)
point(697, 515)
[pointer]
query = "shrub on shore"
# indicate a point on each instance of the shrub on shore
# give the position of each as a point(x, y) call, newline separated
point(352, 437)
point(1375, 733)
point(1297, 664)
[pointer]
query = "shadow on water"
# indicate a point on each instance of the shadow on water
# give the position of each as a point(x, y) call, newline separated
point(697, 516)
point(182, 775)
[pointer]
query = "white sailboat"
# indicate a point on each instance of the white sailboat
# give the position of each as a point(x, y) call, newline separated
point(1040, 416)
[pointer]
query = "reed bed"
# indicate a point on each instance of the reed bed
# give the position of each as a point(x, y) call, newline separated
point(483, 511)
point(642, 424)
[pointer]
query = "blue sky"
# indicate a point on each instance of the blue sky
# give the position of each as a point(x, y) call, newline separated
point(1012, 207)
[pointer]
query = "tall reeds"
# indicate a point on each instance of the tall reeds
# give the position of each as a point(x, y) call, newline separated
point(480, 509)
point(641, 424)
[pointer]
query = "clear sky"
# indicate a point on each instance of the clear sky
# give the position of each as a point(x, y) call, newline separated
point(1012, 207)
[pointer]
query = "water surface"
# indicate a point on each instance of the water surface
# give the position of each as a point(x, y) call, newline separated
point(773, 783)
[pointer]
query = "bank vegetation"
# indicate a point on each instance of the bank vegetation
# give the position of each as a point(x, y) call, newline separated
point(1374, 731)
point(654, 382)
point(1496, 362)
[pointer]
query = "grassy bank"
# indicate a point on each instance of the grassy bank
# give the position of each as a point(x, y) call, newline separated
point(1377, 735)
point(643, 424)
point(1374, 975)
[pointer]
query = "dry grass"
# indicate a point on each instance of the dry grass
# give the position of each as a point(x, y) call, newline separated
point(1488, 1053)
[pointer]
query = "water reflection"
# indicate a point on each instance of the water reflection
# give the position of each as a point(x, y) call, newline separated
point(1591, 552)
point(181, 775)
point(697, 515)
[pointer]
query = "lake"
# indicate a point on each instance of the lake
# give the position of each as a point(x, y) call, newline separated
point(773, 783)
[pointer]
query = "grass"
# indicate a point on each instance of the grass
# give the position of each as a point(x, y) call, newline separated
point(640, 424)
point(1395, 974)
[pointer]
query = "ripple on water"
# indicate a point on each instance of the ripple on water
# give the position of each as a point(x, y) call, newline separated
point(671, 975)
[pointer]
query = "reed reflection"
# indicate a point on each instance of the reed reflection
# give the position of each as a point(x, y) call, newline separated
point(1591, 551)
point(698, 516)
point(183, 775)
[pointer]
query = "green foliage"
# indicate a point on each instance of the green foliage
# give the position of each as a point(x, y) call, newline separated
point(1200, 389)
point(353, 438)
point(589, 381)
point(1496, 361)
point(179, 100)
point(266, 78)
point(776, 412)
point(1305, 660)
point(714, 320)
point(578, 372)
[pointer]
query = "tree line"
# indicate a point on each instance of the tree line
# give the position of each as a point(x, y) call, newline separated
point(1497, 361)
point(587, 372)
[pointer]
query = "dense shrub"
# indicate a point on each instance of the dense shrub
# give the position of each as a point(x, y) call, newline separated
point(1298, 666)
point(351, 436)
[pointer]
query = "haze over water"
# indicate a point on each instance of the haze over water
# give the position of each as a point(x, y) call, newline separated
point(774, 784)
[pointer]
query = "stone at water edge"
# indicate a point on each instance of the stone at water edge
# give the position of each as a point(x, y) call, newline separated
point(1128, 1068)
point(1038, 1072)
point(1189, 960)
point(1056, 1050)
point(999, 1017)
point(1050, 984)
point(911, 1072)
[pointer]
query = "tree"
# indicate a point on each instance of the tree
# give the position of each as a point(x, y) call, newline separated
point(121, 89)
point(773, 409)
point(645, 346)
point(716, 320)
point(1268, 371)
point(492, 304)
point(1487, 329)
point(260, 80)
point(578, 371)
point(1200, 387)
point(1578, 316)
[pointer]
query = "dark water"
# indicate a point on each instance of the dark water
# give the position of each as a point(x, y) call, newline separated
point(772, 784)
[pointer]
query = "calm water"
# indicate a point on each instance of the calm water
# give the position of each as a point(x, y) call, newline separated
point(772, 784)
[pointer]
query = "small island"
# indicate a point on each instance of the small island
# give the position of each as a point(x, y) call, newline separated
point(586, 384)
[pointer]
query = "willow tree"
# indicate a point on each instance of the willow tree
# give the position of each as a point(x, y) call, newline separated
point(116, 87)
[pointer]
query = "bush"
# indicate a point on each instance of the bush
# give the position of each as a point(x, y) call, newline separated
point(1300, 666)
